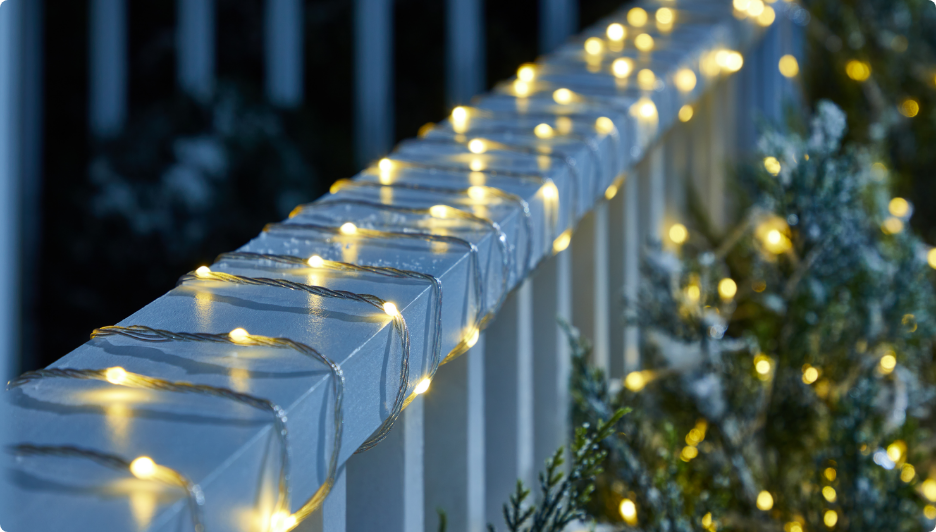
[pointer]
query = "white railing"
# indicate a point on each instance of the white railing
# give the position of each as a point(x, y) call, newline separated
point(615, 164)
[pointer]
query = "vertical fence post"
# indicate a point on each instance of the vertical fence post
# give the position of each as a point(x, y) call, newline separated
point(385, 484)
point(332, 516)
point(558, 20)
point(284, 53)
point(552, 297)
point(373, 67)
point(195, 47)
point(464, 70)
point(476, 437)
point(590, 290)
point(631, 265)
point(108, 76)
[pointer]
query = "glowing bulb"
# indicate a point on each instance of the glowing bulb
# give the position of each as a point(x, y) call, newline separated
point(929, 489)
point(611, 191)
point(741, 5)
point(895, 451)
point(899, 207)
point(678, 234)
point(733, 61)
point(526, 72)
point(644, 42)
point(892, 226)
point(550, 191)
point(686, 113)
point(473, 339)
point(616, 32)
point(562, 96)
point(439, 211)
point(909, 108)
point(707, 520)
point(762, 365)
point(477, 146)
point(789, 66)
point(646, 79)
point(637, 17)
point(830, 474)
point(644, 108)
point(422, 387)
point(621, 68)
point(459, 114)
point(810, 375)
point(385, 165)
point(348, 228)
point(562, 241)
point(239, 334)
point(143, 468)
point(774, 237)
point(693, 293)
point(665, 15)
point(203, 271)
point(635, 381)
point(755, 8)
point(829, 493)
point(931, 258)
point(315, 261)
point(391, 309)
point(476, 165)
point(830, 518)
point(907, 472)
point(929, 512)
point(604, 125)
point(281, 521)
point(685, 80)
point(727, 288)
point(767, 16)
point(688, 453)
point(628, 511)
point(477, 193)
point(594, 46)
point(858, 70)
point(764, 501)
point(888, 363)
point(116, 375)
point(772, 165)
point(544, 131)
point(338, 185)
point(521, 88)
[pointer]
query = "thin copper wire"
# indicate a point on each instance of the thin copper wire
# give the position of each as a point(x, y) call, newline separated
point(196, 498)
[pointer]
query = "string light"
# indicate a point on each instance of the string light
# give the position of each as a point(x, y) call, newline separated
point(562, 96)
point(830, 474)
point(810, 374)
point(203, 271)
point(604, 125)
point(561, 243)
point(239, 335)
point(348, 228)
point(594, 46)
point(385, 165)
point(637, 17)
point(929, 489)
point(665, 15)
point(622, 67)
point(422, 387)
point(678, 234)
point(477, 146)
point(789, 66)
point(764, 501)
point(685, 113)
point(858, 70)
point(316, 262)
point(685, 79)
point(772, 165)
point(282, 521)
point(887, 363)
point(628, 511)
point(741, 5)
point(616, 32)
point(729, 61)
point(526, 72)
point(460, 119)
point(899, 207)
point(892, 226)
point(636, 381)
point(439, 211)
point(830, 518)
point(755, 8)
point(688, 453)
point(828, 493)
point(646, 79)
point(763, 366)
point(544, 131)
point(644, 42)
point(477, 193)
point(909, 108)
point(644, 108)
point(521, 88)
point(116, 375)
point(929, 512)
point(564, 125)
point(727, 289)
point(473, 338)
point(931, 258)
point(767, 17)
point(907, 473)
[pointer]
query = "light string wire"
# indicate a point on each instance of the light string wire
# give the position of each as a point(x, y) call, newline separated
point(120, 377)
point(567, 160)
point(148, 334)
point(397, 318)
point(500, 236)
point(493, 191)
point(165, 475)
point(382, 271)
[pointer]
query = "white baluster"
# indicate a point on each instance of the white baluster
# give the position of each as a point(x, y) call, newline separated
point(284, 52)
point(195, 47)
point(464, 69)
point(373, 68)
point(108, 75)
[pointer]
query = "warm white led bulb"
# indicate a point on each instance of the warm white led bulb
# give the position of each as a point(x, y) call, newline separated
point(543, 131)
point(422, 387)
point(391, 309)
point(348, 228)
point(316, 262)
point(239, 334)
point(116, 375)
point(616, 32)
point(143, 468)
point(477, 146)
point(203, 271)
point(562, 96)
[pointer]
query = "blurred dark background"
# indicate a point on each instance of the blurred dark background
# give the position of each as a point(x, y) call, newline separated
point(122, 216)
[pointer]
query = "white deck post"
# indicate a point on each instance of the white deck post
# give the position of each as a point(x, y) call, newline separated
point(332, 516)
point(284, 52)
point(195, 47)
point(464, 40)
point(373, 68)
point(590, 280)
point(108, 76)
point(558, 20)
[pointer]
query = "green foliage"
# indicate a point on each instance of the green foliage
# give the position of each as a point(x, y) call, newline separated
point(563, 497)
point(767, 388)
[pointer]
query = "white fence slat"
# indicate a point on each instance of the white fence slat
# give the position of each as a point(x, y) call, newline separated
point(653, 193)
point(526, 469)
point(385, 484)
point(476, 440)
point(108, 72)
point(558, 20)
point(332, 516)
point(464, 70)
point(373, 80)
point(284, 52)
point(631, 265)
point(195, 47)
